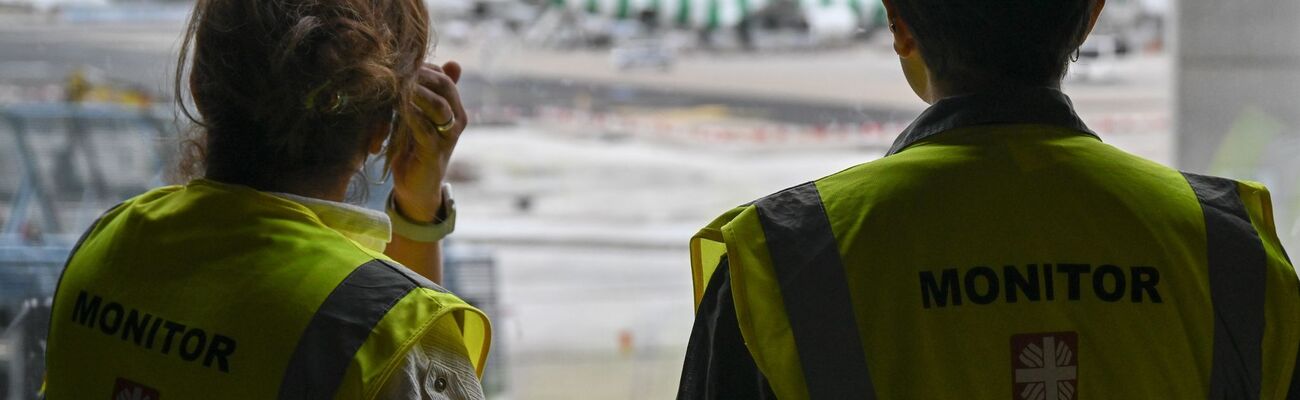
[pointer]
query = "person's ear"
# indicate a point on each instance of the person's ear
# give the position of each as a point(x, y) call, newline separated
point(1097, 5)
point(904, 42)
point(909, 55)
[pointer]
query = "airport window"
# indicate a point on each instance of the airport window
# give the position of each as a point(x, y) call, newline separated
point(604, 134)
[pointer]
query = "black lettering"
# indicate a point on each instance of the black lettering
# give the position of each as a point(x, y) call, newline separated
point(153, 332)
point(196, 337)
point(1145, 279)
point(1048, 285)
point(108, 324)
point(1099, 283)
point(940, 293)
point(1017, 282)
point(972, 288)
point(172, 328)
point(1073, 272)
point(135, 326)
point(84, 311)
point(984, 285)
point(141, 328)
point(219, 350)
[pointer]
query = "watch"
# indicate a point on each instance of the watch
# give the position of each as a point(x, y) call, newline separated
point(424, 232)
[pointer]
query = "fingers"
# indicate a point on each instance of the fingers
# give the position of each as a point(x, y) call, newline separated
point(437, 108)
point(453, 70)
point(440, 85)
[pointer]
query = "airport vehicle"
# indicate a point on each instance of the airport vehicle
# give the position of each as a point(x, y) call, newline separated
point(823, 21)
point(1125, 26)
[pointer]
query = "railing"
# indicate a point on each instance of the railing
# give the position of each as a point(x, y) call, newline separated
point(74, 155)
point(61, 164)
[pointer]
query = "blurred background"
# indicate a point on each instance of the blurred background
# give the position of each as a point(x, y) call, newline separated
point(605, 133)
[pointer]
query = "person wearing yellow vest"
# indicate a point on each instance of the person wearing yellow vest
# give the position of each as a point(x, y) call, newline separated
point(256, 280)
point(999, 250)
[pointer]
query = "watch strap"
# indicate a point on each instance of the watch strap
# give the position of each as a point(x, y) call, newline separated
point(421, 231)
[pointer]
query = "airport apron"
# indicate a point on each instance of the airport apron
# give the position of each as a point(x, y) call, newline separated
point(220, 291)
point(1001, 251)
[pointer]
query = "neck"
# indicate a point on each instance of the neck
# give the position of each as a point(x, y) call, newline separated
point(324, 189)
point(942, 90)
point(337, 193)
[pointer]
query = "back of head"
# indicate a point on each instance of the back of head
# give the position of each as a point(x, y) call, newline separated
point(289, 90)
point(976, 42)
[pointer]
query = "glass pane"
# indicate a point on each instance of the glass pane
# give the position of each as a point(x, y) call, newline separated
point(604, 134)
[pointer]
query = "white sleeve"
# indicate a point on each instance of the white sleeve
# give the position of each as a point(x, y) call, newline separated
point(437, 368)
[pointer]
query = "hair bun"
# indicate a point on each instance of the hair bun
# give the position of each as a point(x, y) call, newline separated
point(343, 64)
point(289, 88)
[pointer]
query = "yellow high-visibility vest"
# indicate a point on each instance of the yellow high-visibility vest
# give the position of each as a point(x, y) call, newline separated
point(1001, 250)
point(219, 291)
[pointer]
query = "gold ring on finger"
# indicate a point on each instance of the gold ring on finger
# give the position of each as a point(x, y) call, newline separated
point(451, 123)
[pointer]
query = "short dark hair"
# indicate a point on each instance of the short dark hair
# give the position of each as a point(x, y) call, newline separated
point(978, 41)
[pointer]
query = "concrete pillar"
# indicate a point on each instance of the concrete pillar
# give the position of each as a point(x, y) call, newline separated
point(1237, 97)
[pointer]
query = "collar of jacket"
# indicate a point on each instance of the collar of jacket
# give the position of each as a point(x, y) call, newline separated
point(369, 228)
point(1039, 105)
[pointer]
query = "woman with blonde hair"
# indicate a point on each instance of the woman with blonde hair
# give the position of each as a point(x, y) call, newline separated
point(255, 279)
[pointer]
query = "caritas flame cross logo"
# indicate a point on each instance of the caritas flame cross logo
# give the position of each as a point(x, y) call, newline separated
point(125, 389)
point(1045, 366)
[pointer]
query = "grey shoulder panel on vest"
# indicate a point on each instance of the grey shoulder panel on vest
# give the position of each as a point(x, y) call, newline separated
point(342, 324)
point(1237, 272)
point(417, 279)
point(815, 291)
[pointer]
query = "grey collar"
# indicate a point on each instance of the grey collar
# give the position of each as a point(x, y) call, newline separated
point(1039, 105)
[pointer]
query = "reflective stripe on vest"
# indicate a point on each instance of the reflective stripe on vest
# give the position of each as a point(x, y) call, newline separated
point(339, 327)
point(815, 291)
point(1237, 275)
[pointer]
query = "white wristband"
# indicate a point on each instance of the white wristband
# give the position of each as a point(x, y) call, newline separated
point(421, 231)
